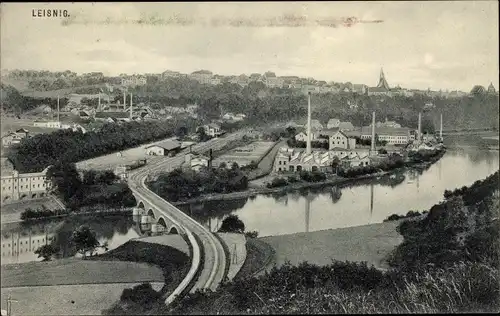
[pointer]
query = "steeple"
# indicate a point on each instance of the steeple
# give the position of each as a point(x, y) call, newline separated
point(491, 89)
point(382, 83)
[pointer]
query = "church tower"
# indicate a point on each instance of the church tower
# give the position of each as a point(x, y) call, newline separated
point(491, 89)
point(382, 83)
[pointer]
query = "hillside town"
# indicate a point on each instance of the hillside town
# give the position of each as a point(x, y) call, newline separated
point(247, 159)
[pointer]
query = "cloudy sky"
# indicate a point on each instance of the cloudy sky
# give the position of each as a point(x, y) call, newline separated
point(441, 45)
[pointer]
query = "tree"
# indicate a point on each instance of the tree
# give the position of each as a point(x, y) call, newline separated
point(46, 251)
point(335, 163)
point(222, 165)
point(234, 166)
point(478, 90)
point(181, 131)
point(85, 240)
point(232, 224)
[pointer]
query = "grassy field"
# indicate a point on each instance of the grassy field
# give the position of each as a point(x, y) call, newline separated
point(77, 271)
point(109, 162)
point(245, 154)
point(86, 299)
point(370, 243)
point(259, 255)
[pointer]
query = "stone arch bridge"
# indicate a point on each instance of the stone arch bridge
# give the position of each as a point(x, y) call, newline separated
point(150, 214)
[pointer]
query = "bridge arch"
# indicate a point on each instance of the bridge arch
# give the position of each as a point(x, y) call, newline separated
point(141, 205)
point(173, 230)
point(151, 213)
point(162, 222)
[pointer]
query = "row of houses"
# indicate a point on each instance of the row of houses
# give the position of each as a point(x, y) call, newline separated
point(59, 125)
point(293, 160)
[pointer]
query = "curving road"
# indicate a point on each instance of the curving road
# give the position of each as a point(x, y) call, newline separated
point(213, 269)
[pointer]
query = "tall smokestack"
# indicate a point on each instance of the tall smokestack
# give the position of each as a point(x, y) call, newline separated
point(130, 106)
point(124, 99)
point(441, 128)
point(372, 149)
point(58, 109)
point(419, 139)
point(99, 104)
point(308, 147)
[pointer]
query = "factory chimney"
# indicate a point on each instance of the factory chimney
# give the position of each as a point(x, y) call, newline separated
point(131, 106)
point(372, 149)
point(419, 136)
point(99, 104)
point(308, 147)
point(58, 109)
point(441, 128)
point(124, 99)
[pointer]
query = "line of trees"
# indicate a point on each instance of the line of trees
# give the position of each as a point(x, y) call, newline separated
point(36, 153)
point(180, 185)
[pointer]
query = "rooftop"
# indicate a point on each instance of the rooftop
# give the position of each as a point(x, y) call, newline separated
point(166, 144)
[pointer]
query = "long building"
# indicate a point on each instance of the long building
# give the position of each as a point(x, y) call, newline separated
point(19, 186)
point(393, 136)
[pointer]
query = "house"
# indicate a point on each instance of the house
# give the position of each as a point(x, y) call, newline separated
point(202, 76)
point(387, 123)
point(288, 160)
point(213, 130)
point(14, 138)
point(316, 125)
point(170, 74)
point(355, 160)
point(359, 88)
point(301, 137)
point(340, 139)
point(196, 162)
point(333, 123)
point(346, 126)
point(164, 148)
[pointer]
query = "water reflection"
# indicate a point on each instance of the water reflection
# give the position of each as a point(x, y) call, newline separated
point(20, 240)
point(352, 204)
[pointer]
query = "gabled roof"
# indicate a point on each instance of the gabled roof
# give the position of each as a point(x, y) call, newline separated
point(166, 144)
point(22, 130)
point(329, 131)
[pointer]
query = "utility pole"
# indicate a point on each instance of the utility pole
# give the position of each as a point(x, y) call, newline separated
point(9, 305)
point(58, 109)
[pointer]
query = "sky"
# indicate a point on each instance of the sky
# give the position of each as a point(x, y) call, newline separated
point(430, 44)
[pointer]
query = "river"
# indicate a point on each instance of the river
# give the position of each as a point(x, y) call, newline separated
point(20, 240)
point(305, 210)
point(360, 204)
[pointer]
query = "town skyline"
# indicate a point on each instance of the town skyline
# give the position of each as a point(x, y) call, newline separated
point(417, 44)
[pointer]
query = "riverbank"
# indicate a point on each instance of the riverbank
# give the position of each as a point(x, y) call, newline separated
point(333, 180)
point(10, 220)
point(370, 243)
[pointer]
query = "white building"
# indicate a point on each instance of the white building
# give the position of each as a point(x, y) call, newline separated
point(48, 124)
point(333, 123)
point(213, 130)
point(196, 162)
point(393, 136)
point(18, 186)
point(341, 140)
point(134, 81)
point(164, 148)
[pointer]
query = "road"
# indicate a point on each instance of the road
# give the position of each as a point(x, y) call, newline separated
point(213, 269)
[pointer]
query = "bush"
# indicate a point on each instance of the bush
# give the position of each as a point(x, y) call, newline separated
point(252, 234)
point(277, 182)
point(232, 224)
point(142, 294)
